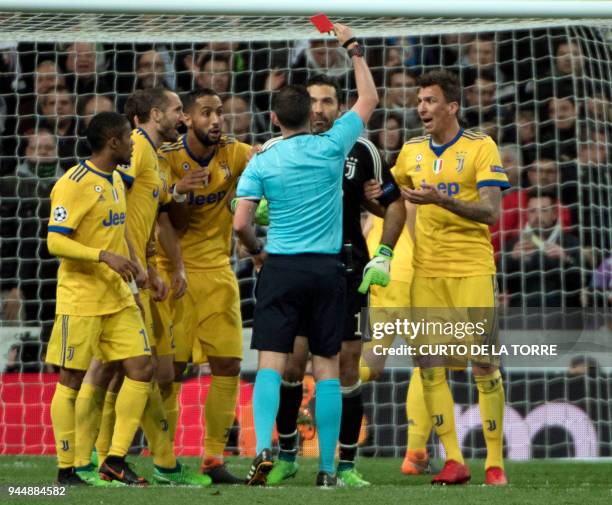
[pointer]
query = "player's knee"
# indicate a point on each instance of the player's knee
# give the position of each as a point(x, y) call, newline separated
point(224, 367)
point(139, 369)
point(71, 378)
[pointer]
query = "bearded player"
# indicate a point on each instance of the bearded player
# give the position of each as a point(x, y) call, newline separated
point(207, 326)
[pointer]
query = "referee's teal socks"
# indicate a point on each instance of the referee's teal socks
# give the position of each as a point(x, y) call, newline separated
point(266, 397)
point(328, 412)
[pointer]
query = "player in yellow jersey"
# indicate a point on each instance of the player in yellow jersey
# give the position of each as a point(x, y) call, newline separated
point(155, 115)
point(96, 311)
point(207, 326)
point(455, 177)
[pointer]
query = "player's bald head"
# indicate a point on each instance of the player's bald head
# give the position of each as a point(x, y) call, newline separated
point(191, 98)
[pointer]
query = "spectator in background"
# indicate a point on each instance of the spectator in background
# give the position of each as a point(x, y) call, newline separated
point(238, 59)
point(25, 210)
point(542, 266)
point(544, 174)
point(387, 134)
point(559, 131)
point(58, 115)
point(240, 120)
point(151, 71)
point(526, 134)
point(323, 57)
point(214, 73)
point(401, 98)
point(85, 70)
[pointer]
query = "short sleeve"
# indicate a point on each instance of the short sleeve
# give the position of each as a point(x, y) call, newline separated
point(345, 131)
point(250, 184)
point(68, 206)
point(241, 157)
point(401, 169)
point(488, 165)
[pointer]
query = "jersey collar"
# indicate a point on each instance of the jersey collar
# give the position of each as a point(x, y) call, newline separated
point(146, 136)
point(92, 168)
point(439, 150)
point(203, 162)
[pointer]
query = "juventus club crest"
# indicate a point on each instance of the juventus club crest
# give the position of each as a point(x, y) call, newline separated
point(460, 161)
point(227, 172)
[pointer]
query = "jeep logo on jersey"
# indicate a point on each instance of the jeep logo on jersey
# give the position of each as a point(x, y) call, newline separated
point(60, 214)
point(114, 219)
point(206, 199)
point(451, 188)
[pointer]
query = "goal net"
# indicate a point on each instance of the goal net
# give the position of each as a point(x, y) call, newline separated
point(540, 86)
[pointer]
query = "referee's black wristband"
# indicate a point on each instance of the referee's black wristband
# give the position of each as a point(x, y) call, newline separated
point(349, 42)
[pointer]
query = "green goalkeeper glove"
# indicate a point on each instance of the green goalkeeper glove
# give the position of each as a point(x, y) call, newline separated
point(261, 214)
point(377, 270)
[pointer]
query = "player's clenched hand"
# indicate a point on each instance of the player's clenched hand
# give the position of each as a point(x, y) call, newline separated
point(178, 281)
point(125, 267)
point(343, 33)
point(372, 189)
point(193, 180)
point(157, 285)
point(424, 195)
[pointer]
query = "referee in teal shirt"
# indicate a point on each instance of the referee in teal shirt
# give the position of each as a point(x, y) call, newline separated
point(302, 283)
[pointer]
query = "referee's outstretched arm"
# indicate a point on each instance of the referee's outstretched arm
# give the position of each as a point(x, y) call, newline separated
point(367, 97)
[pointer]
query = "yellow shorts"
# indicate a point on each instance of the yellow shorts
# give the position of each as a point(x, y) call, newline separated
point(477, 291)
point(112, 337)
point(395, 296)
point(207, 320)
point(464, 306)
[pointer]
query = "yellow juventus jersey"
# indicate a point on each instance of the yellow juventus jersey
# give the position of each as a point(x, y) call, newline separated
point(145, 189)
point(401, 266)
point(206, 242)
point(448, 245)
point(89, 206)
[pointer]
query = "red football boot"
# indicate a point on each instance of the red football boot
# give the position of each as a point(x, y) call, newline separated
point(495, 476)
point(452, 473)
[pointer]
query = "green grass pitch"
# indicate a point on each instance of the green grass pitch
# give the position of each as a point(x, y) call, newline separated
point(538, 482)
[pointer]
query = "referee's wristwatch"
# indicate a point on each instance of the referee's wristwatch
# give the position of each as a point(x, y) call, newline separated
point(356, 50)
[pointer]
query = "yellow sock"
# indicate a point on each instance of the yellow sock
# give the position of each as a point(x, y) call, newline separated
point(62, 419)
point(130, 405)
point(155, 427)
point(440, 406)
point(491, 399)
point(419, 422)
point(105, 434)
point(171, 406)
point(219, 413)
point(87, 415)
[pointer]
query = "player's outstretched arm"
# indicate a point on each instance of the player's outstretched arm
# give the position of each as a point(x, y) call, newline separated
point(367, 98)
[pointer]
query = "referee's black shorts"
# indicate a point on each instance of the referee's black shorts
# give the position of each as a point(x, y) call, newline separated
point(300, 294)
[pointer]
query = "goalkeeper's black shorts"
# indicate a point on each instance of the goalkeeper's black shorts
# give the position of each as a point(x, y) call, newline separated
point(303, 295)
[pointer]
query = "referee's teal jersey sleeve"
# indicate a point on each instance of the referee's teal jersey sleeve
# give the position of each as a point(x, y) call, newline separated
point(250, 185)
point(345, 132)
